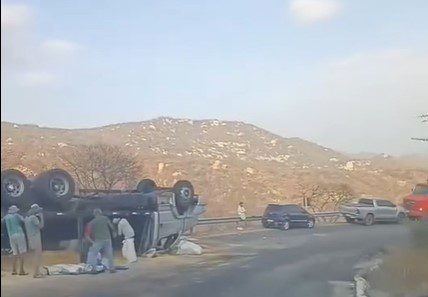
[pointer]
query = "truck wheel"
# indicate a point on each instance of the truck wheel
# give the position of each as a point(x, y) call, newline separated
point(401, 217)
point(55, 185)
point(146, 186)
point(285, 226)
point(14, 188)
point(183, 191)
point(349, 220)
point(369, 219)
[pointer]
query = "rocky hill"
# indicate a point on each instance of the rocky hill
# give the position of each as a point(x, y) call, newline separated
point(226, 161)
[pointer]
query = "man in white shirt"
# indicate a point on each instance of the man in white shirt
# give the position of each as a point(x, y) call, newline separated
point(242, 214)
point(125, 229)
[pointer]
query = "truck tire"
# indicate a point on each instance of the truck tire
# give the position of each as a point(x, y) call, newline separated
point(15, 189)
point(146, 186)
point(184, 195)
point(349, 220)
point(401, 217)
point(369, 219)
point(54, 187)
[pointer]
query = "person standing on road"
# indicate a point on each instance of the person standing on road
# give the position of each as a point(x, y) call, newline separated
point(34, 222)
point(18, 244)
point(125, 229)
point(242, 214)
point(100, 238)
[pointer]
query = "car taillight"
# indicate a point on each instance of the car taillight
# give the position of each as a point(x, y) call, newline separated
point(421, 209)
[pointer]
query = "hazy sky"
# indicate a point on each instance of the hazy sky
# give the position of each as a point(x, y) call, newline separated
point(351, 75)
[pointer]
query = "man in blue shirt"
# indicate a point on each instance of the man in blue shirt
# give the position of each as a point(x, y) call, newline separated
point(17, 240)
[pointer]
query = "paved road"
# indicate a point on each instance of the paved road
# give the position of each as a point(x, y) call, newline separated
point(295, 263)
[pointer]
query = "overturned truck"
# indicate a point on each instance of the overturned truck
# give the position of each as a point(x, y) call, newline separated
point(158, 215)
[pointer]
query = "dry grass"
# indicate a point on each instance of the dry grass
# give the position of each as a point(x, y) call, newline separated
point(403, 273)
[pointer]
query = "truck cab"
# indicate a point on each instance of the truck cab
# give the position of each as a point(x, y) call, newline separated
point(417, 202)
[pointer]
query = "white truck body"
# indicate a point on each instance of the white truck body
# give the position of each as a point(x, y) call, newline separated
point(371, 210)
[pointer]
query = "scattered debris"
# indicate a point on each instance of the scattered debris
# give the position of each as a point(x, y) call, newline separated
point(151, 253)
point(73, 269)
point(186, 247)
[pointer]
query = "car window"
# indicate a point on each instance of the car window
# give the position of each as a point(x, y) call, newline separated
point(272, 208)
point(292, 208)
point(421, 190)
point(385, 203)
point(366, 201)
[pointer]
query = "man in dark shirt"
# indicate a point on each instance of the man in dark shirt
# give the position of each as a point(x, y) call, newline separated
point(100, 238)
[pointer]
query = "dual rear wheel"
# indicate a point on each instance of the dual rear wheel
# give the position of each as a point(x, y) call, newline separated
point(54, 186)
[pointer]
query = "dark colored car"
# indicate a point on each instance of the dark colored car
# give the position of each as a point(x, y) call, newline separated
point(286, 216)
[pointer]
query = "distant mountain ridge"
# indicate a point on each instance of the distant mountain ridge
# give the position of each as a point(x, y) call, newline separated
point(227, 161)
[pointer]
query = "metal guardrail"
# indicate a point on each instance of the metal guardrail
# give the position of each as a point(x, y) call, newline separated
point(328, 217)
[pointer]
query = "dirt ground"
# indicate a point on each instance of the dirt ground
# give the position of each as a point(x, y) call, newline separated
point(49, 258)
point(211, 252)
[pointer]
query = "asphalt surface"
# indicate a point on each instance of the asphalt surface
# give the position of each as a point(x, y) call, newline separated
point(263, 263)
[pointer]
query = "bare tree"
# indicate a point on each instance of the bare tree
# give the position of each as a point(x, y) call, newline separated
point(325, 197)
point(307, 192)
point(101, 166)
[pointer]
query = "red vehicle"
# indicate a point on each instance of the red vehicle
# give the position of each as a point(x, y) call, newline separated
point(417, 202)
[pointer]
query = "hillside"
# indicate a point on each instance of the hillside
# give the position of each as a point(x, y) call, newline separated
point(226, 161)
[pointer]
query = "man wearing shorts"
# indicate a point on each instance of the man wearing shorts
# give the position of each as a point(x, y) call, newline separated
point(17, 240)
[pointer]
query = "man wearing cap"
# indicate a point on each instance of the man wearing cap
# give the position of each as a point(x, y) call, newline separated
point(34, 222)
point(17, 241)
point(125, 229)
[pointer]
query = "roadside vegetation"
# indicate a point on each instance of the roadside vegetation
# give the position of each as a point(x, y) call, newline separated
point(102, 166)
point(404, 272)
